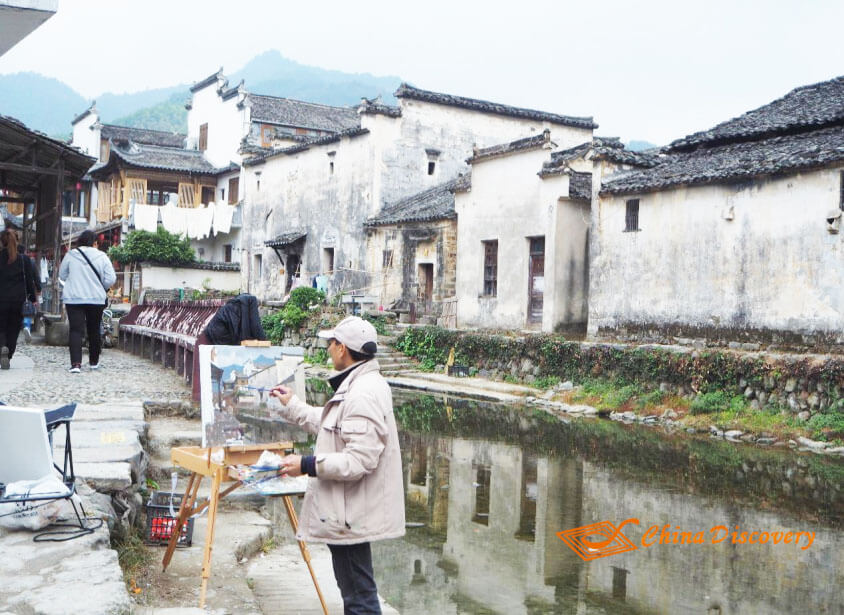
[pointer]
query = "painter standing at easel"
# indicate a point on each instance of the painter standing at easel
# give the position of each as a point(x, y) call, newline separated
point(357, 495)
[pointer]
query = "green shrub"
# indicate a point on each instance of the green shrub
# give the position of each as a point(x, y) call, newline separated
point(319, 357)
point(304, 297)
point(707, 403)
point(827, 425)
point(158, 247)
point(379, 322)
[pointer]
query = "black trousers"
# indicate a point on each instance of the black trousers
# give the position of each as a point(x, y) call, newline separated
point(353, 571)
point(82, 318)
point(11, 320)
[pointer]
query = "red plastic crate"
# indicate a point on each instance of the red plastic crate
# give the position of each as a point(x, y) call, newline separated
point(160, 523)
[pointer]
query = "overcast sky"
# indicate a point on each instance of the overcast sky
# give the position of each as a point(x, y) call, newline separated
point(649, 70)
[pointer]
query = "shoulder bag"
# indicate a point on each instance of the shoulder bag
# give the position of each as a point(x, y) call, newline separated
point(28, 308)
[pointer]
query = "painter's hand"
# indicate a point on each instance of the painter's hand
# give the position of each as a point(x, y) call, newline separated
point(291, 465)
point(282, 394)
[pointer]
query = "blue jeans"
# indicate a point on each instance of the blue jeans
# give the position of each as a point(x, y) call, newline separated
point(353, 571)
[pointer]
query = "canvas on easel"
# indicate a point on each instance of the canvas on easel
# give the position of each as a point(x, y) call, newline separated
point(235, 383)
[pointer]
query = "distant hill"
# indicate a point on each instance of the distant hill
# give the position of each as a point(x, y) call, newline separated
point(638, 146)
point(40, 102)
point(169, 115)
point(49, 105)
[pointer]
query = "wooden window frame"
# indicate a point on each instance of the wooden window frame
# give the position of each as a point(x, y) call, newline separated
point(631, 216)
point(203, 137)
point(490, 270)
point(234, 189)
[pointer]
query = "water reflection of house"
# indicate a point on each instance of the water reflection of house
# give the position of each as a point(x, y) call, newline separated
point(501, 507)
point(720, 579)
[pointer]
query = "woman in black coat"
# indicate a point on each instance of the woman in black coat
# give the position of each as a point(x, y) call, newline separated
point(17, 282)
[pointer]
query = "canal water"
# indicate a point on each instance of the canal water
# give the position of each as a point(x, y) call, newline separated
point(510, 510)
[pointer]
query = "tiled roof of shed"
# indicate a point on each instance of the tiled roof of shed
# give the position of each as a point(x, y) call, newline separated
point(528, 143)
point(735, 161)
point(408, 91)
point(301, 147)
point(166, 158)
point(808, 107)
point(435, 203)
point(286, 238)
point(288, 112)
point(142, 135)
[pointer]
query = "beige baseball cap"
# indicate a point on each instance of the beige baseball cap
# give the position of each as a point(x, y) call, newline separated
point(355, 333)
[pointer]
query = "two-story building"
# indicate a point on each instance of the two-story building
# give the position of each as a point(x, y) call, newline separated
point(308, 204)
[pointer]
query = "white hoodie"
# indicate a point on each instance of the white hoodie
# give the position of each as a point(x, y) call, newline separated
point(81, 285)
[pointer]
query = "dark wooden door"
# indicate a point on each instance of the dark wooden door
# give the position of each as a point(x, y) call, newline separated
point(536, 290)
point(425, 294)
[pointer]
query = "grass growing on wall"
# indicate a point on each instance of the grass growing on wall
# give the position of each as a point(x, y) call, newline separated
point(618, 378)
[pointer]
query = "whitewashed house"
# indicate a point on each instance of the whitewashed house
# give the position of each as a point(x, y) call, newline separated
point(308, 203)
point(523, 232)
point(734, 236)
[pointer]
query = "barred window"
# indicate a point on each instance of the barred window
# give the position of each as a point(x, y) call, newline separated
point(631, 218)
point(490, 268)
point(386, 259)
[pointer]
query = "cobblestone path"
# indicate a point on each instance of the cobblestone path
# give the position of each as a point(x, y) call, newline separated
point(121, 376)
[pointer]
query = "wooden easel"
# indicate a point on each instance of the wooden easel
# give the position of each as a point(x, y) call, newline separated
point(198, 461)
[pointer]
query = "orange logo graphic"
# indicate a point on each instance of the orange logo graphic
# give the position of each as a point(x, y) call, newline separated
point(598, 539)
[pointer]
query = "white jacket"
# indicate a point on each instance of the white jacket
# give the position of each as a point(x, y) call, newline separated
point(358, 493)
point(81, 285)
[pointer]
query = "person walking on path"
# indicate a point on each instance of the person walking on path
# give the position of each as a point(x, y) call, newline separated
point(357, 494)
point(17, 283)
point(87, 274)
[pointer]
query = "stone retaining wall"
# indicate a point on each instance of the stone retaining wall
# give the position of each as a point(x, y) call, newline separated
point(804, 384)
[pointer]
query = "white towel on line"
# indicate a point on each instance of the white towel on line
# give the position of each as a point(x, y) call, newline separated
point(173, 219)
point(146, 217)
point(223, 218)
point(198, 221)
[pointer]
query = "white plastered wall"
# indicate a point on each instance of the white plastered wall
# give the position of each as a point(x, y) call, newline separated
point(773, 266)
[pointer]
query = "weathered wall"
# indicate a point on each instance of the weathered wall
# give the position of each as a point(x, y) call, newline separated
point(300, 191)
point(510, 203)
point(772, 274)
point(412, 244)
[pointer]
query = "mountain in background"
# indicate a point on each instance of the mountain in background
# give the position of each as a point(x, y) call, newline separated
point(638, 146)
point(48, 105)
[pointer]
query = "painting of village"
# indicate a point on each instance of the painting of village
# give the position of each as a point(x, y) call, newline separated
point(235, 383)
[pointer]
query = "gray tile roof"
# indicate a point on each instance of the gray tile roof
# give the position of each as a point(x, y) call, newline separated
point(435, 203)
point(520, 145)
point(207, 81)
point(580, 186)
point(375, 106)
point(267, 153)
point(286, 238)
point(808, 107)
point(735, 161)
point(166, 158)
point(288, 112)
point(408, 91)
point(142, 135)
point(601, 148)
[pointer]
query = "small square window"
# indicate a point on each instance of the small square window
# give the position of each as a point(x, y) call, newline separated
point(631, 217)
